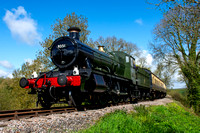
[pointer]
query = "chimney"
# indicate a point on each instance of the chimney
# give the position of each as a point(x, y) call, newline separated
point(74, 32)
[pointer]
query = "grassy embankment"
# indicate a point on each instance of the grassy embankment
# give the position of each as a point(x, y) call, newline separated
point(153, 119)
point(179, 95)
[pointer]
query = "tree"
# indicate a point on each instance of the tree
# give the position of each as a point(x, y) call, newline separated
point(114, 44)
point(177, 42)
point(165, 73)
point(71, 20)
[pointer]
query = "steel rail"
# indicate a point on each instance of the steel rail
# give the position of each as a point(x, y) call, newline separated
point(28, 113)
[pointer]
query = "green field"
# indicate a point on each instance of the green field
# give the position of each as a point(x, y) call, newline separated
point(179, 95)
point(183, 92)
point(172, 118)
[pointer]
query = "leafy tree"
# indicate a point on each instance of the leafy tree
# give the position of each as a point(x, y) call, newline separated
point(177, 42)
point(13, 96)
point(142, 62)
point(71, 20)
point(5, 91)
point(114, 44)
point(27, 69)
point(165, 73)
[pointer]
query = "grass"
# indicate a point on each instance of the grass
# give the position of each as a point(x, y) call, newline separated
point(182, 92)
point(153, 119)
point(179, 95)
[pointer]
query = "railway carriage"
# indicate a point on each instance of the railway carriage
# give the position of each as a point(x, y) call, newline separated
point(158, 86)
point(86, 74)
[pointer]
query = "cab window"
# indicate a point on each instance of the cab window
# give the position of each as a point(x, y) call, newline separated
point(132, 62)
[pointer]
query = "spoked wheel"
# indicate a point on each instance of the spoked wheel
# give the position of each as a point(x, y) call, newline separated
point(152, 96)
point(93, 99)
point(44, 101)
point(102, 99)
point(135, 100)
point(125, 99)
point(115, 99)
point(77, 98)
point(144, 96)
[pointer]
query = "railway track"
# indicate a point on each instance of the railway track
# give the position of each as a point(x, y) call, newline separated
point(28, 113)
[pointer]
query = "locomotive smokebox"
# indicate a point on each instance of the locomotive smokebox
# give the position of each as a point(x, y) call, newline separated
point(74, 32)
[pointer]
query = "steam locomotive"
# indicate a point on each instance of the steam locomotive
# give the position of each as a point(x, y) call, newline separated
point(89, 75)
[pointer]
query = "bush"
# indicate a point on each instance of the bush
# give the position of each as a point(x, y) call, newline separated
point(12, 96)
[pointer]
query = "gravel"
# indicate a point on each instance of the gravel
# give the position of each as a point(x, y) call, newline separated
point(68, 122)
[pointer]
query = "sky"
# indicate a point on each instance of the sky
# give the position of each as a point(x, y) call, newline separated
point(26, 23)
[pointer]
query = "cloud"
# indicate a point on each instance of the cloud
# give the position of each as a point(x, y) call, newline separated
point(5, 74)
point(2, 73)
point(6, 64)
point(139, 21)
point(149, 59)
point(22, 26)
point(148, 56)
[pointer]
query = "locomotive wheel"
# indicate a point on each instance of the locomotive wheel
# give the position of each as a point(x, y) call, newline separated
point(76, 95)
point(135, 100)
point(115, 99)
point(144, 96)
point(125, 99)
point(141, 95)
point(44, 101)
point(94, 99)
point(102, 99)
point(152, 95)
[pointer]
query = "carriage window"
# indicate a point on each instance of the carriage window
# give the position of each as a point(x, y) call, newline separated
point(127, 59)
point(132, 62)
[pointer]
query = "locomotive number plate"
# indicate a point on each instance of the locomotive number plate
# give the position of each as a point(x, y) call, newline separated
point(61, 45)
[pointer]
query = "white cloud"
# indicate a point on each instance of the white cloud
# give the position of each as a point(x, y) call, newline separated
point(2, 73)
point(5, 74)
point(6, 64)
point(149, 59)
point(139, 21)
point(148, 56)
point(22, 26)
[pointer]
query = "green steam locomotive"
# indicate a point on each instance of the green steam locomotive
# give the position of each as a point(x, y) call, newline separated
point(84, 74)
